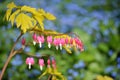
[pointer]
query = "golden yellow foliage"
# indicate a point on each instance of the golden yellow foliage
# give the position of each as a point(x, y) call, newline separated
point(28, 9)
point(54, 74)
point(12, 17)
point(7, 15)
point(26, 17)
point(23, 21)
point(49, 16)
point(11, 5)
point(40, 19)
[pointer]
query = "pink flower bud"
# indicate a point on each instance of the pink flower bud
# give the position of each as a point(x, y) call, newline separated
point(48, 62)
point(49, 40)
point(23, 41)
point(76, 40)
point(81, 48)
point(71, 41)
point(34, 38)
point(30, 61)
point(41, 63)
point(66, 40)
point(53, 63)
point(79, 44)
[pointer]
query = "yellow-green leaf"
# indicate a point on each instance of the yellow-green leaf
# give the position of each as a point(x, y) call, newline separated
point(28, 9)
point(41, 11)
point(44, 73)
point(24, 21)
point(58, 74)
point(34, 22)
point(8, 13)
point(47, 71)
point(67, 49)
point(49, 16)
point(12, 17)
point(11, 5)
point(40, 21)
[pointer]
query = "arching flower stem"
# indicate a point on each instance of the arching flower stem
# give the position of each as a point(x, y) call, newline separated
point(12, 53)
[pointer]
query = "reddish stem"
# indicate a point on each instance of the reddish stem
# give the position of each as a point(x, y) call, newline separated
point(12, 53)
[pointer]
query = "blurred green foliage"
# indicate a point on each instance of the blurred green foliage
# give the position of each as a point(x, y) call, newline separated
point(95, 21)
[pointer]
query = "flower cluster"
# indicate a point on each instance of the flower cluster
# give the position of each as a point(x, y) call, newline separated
point(30, 61)
point(58, 42)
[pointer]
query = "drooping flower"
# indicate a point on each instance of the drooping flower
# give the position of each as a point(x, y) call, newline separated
point(40, 40)
point(66, 41)
point(61, 43)
point(49, 40)
point(48, 63)
point(41, 63)
point(23, 42)
point(34, 38)
point(54, 63)
point(71, 41)
point(81, 47)
point(79, 44)
point(29, 62)
point(56, 42)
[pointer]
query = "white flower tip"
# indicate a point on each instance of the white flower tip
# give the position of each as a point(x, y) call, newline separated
point(40, 45)
point(60, 46)
point(49, 45)
point(57, 47)
point(41, 68)
point(29, 66)
point(34, 43)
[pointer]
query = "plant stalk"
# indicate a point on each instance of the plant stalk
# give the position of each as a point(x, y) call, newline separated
point(9, 57)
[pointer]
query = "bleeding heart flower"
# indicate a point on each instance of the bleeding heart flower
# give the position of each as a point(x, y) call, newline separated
point(61, 43)
point(49, 40)
point(40, 40)
point(30, 61)
point(56, 42)
point(41, 63)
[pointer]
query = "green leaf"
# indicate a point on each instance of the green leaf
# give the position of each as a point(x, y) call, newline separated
point(103, 47)
point(95, 67)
